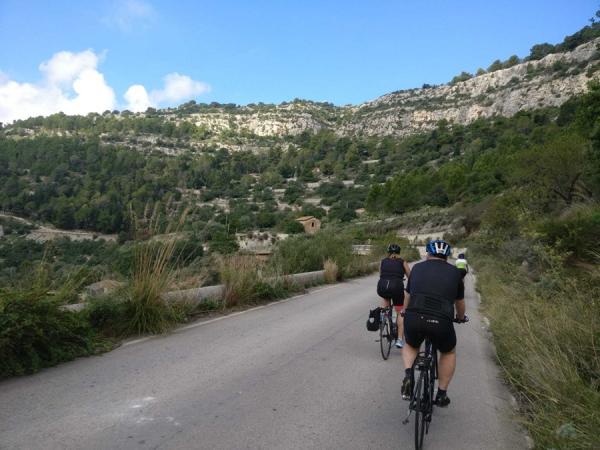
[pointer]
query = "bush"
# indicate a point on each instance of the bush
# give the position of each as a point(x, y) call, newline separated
point(307, 253)
point(107, 314)
point(36, 333)
point(574, 231)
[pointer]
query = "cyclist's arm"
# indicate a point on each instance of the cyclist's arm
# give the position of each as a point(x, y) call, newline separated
point(406, 269)
point(460, 308)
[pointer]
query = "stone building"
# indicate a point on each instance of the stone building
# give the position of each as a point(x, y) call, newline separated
point(310, 223)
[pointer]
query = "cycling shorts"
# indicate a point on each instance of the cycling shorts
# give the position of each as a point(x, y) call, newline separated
point(397, 299)
point(397, 307)
point(418, 326)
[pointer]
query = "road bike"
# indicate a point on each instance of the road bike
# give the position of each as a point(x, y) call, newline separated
point(422, 398)
point(388, 331)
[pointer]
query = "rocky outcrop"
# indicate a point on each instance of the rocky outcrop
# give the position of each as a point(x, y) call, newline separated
point(535, 84)
point(529, 85)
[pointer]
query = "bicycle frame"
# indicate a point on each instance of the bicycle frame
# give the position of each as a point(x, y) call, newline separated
point(421, 401)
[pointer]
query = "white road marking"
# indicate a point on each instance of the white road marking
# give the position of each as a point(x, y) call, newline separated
point(228, 316)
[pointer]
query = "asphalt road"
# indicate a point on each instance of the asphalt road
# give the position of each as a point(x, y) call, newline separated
point(299, 374)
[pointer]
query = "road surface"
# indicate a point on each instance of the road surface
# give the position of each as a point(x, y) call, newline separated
point(299, 374)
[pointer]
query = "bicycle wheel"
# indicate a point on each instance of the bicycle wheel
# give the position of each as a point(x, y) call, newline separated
point(431, 390)
point(385, 337)
point(420, 410)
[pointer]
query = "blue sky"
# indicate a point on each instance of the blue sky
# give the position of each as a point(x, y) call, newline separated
point(270, 51)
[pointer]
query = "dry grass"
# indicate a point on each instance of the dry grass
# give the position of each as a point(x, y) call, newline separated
point(153, 274)
point(240, 276)
point(247, 280)
point(331, 271)
point(548, 345)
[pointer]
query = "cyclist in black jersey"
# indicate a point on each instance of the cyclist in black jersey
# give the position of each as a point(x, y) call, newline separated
point(435, 296)
point(390, 286)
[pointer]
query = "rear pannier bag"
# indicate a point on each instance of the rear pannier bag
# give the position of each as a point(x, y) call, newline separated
point(374, 319)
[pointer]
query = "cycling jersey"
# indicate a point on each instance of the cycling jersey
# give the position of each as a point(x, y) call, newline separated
point(391, 281)
point(461, 263)
point(434, 285)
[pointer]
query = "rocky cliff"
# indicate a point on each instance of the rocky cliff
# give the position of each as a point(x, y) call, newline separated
point(529, 85)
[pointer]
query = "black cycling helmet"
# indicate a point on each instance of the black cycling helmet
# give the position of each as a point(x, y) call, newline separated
point(461, 256)
point(394, 248)
point(439, 248)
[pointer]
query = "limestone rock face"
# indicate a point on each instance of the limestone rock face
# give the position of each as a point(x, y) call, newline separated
point(529, 85)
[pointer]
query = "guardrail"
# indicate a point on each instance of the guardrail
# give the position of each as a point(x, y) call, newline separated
point(198, 295)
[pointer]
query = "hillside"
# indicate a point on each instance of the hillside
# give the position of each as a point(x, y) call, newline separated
point(503, 90)
point(505, 164)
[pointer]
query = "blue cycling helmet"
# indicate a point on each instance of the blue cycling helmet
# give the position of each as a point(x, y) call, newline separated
point(439, 247)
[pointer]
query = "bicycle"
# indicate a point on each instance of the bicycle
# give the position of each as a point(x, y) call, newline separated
point(421, 400)
point(388, 331)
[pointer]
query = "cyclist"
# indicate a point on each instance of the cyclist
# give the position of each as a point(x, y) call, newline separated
point(435, 293)
point(461, 264)
point(390, 286)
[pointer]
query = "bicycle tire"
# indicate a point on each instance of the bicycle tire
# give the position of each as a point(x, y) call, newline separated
point(431, 390)
point(420, 407)
point(385, 337)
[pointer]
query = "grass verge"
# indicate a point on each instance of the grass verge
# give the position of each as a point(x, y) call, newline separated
point(546, 327)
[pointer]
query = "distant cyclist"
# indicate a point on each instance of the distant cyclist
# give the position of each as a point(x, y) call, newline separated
point(435, 296)
point(390, 287)
point(461, 264)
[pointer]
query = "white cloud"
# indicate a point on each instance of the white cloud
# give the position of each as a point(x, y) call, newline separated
point(64, 67)
point(137, 98)
point(179, 87)
point(176, 88)
point(128, 15)
point(71, 84)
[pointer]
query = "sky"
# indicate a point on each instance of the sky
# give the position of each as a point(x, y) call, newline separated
point(90, 56)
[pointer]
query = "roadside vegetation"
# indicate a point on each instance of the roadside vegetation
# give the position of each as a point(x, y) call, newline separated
point(522, 194)
point(540, 285)
point(36, 330)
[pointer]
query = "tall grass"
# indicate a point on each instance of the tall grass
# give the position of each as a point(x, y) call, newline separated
point(248, 281)
point(153, 273)
point(547, 335)
point(331, 271)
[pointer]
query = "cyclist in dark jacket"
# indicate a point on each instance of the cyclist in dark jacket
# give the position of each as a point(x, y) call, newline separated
point(390, 287)
point(435, 296)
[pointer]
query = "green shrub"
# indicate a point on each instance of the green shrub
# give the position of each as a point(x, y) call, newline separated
point(574, 231)
point(35, 332)
point(107, 314)
point(308, 253)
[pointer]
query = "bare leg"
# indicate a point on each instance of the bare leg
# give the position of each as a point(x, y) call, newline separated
point(446, 367)
point(409, 354)
point(400, 323)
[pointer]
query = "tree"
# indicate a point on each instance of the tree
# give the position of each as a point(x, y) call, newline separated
point(538, 51)
point(496, 65)
point(512, 61)
point(557, 167)
point(464, 76)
